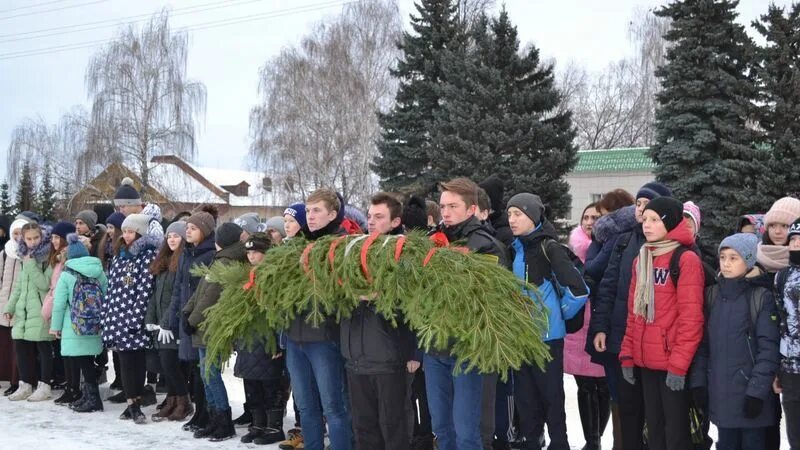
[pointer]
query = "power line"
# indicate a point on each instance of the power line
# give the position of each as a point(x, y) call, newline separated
point(31, 6)
point(188, 28)
point(33, 13)
point(114, 22)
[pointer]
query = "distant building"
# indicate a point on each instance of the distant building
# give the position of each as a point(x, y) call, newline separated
point(600, 171)
point(178, 186)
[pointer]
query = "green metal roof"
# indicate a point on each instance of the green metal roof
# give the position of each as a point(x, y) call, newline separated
point(614, 160)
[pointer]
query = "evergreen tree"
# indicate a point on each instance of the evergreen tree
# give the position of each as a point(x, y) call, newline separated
point(6, 208)
point(403, 162)
point(500, 115)
point(704, 149)
point(779, 97)
point(46, 197)
point(26, 192)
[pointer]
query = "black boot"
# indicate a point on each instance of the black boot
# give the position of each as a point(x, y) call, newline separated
point(224, 429)
point(587, 408)
point(136, 413)
point(93, 402)
point(258, 426)
point(603, 398)
point(245, 419)
point(11, 389)
point(69, 396)
point(210, 426)
point(81, 398)
point(199, 420)
point(274, 431)
point(148, 396)
point(119, 397)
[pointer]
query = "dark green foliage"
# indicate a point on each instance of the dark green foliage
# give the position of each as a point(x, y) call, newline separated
point(500, 115)
point(779, 97)
point(46, 198)
point(6, 208)
point(704, 148)
point(26, 192)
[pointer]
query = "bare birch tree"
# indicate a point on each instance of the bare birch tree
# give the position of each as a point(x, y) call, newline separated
point(143, 104)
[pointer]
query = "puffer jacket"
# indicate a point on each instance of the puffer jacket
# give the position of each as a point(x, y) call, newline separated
point(71, 343)
point(605, 232)
point(789, 310)
point(253, 362)
point(745, 356)
point(158, 308)
point(154, 211)
point(30, 288)
point(129, 290)
point(185, 285)
point(12, 267)
point(47, 308)
point(531, 265)
point(372, 346)
point(207, 293)
point(668, 343)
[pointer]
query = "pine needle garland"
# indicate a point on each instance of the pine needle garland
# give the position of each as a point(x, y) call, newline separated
point(452, 299)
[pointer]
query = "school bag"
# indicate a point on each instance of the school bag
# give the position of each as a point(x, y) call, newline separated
point(87, 300)
point(709, 273)
point(755, 300)
point(574, 324)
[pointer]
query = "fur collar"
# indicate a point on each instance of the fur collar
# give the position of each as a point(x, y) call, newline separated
point(144, 243)
point(41, 251)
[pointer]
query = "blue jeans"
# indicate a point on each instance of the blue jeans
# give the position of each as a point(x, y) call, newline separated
point(741, 438)
point(455, 404)
point(216, 395)
point(318, 377)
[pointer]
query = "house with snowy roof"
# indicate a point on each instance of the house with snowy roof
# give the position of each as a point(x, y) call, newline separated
point(601, 171)
point(178, 186)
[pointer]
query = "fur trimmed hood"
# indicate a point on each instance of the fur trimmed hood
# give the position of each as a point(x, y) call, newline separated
point(612, 224)
point(144, 243)
point(41, 251)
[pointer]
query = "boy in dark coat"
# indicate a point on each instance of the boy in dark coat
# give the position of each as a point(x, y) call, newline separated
point(738, 358)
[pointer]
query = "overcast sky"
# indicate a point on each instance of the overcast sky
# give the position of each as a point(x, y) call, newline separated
point(227, 59)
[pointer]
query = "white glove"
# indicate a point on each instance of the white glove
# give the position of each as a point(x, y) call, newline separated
point(165, 336)
point(152, 327)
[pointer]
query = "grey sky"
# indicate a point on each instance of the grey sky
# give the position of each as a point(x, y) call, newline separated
point(227, 59)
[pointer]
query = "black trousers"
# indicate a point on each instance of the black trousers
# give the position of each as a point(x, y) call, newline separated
point(133, 366)
point(74, 366)
point(26, 360)
point(666, 412)
point(791, 407)
point(631, 408)
point(419, 396)
point(540, 399)
point(379, 412)
point(59, 369)
point(172, 372)
point(198, 390)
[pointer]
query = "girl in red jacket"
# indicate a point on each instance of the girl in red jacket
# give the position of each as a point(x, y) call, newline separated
point(665, 324)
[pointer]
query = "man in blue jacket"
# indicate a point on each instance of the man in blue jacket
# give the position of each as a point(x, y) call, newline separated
point(540, 260)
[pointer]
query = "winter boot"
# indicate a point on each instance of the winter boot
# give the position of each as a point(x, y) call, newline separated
point(137, 415)
point(84, 396)
point(69, 396)
point(116, 384)
point(119, 397)
point(41, 393)
point(210, 426)
point(148, 397)
point(126, 415)
point(293, 441)
point(274, 431)
point(168, 406)
point(93, 402)
point(199, 420)
point(183, 409)
point(258, 426)
point(616, 426)
point(224, 429)
point(24, 391)
point(245, 419)
point(603, 398)
point(11, 389)
point(587, 408)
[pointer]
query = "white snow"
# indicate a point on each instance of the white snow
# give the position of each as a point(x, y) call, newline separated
point(46, 425)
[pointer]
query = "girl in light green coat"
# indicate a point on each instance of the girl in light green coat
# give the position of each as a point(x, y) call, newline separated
point(30, 331)
point(78, 350)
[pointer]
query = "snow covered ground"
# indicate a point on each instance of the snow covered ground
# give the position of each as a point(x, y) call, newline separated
point(25, 425)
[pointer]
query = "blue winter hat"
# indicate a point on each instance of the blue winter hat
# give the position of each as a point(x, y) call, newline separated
point(745, 244)
point(653, 190)
point(62, 229)
point(75, 248)
point(116, 219)
point(298, 211)
point(126, 194)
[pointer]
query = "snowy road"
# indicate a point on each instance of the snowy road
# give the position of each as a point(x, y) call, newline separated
point(32, 426)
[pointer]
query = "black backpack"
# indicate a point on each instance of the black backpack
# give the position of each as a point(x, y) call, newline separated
point(675, 267)
point(574, 324)
point(755, 300)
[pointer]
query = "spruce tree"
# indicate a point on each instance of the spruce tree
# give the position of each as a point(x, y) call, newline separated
point(46, 197)
point(402, 163)
point(6, 208)
point(779, 97)
point(500, 115)
point(704, 148)
point(26, 192)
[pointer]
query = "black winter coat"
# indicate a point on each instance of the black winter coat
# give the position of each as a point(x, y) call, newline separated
point(185, 285)
point(255, 363)
point(158, 307)
point(738, 357)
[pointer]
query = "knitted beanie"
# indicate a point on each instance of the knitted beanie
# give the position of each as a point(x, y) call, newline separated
point(75, 248)
point(745, 244)
point(177, 227)
point(530, 204)
point(88, 217)
point(785, 211)
point(62, 229)
point(248, 222)
point(653, 190)
point(276, 223)
point(203, 221)
point(298, 211)
point(116, 220)
point(668, 209)
point(228, 234)
point(126, 194)
point(139, 223)
point(691, 210)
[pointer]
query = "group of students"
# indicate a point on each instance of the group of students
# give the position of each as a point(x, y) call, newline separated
point(659, 343)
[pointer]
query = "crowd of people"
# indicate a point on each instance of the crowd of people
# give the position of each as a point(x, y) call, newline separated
point(659, 343)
